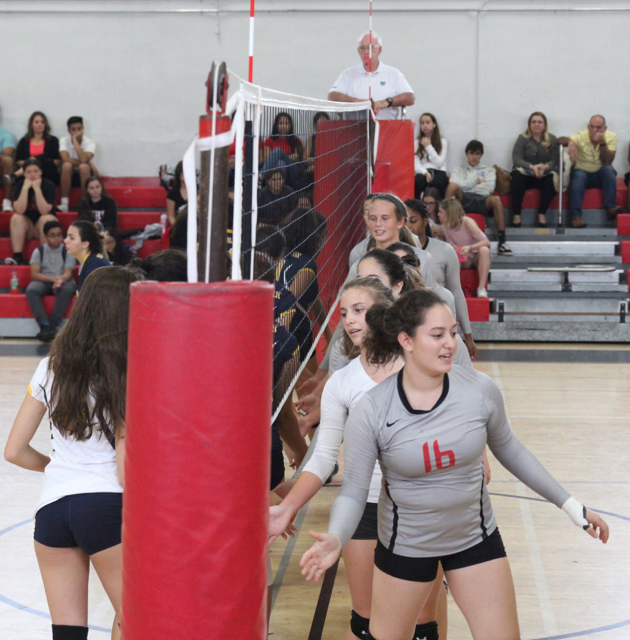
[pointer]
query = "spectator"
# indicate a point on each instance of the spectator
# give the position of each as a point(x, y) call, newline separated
point(388, 86)
point(430, 158)
point(38, 143)
point(168, 265)
point(117, 252)
point(51, 274)
point(97, 205)
point(592, 152)
point(276, 201)
point(431, 200)
point(77, 152)
point(311, 151)
point(7, 149)
point(34, 198)
point(283, 149)
point(472, 184)
point(85, 244)
point(468, 240)
point(535, 158)
point(177, 196)
point(179, 231)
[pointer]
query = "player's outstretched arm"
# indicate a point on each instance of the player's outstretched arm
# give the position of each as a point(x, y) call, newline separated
point(321, 556)
point(592, 523)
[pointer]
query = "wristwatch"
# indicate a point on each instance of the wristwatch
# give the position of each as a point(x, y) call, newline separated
point(390, 101)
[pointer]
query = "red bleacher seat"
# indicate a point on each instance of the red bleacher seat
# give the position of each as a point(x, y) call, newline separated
point(149, 247)
point(24, 276)
point(625, 251)
point(470, 281)
point(16, 306)
point(623, 224)
point(478, 309)
point(480, 219)
point(7, 252)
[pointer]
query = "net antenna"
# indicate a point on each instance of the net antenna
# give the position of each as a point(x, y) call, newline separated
point(252, 12)
point(370, 55)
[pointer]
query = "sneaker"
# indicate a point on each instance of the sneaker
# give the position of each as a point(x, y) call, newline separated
point(47, 334)
point(504, 249)
point(63, 207)
point(577, 223)
point(6, 205)
point(11, 261)
point(482, 292)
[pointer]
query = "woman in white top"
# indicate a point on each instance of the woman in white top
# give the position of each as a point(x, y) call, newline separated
point(430, 158)
point(82, 390)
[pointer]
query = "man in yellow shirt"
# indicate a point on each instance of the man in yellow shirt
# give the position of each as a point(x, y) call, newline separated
point(592, 152)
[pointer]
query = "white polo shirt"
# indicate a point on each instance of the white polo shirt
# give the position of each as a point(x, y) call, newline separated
point(386, 82)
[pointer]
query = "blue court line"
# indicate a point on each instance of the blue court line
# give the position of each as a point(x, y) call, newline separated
point(23, 607)
point(587, 632)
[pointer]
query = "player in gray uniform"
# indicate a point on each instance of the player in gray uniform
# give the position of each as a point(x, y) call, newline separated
point(428, 427)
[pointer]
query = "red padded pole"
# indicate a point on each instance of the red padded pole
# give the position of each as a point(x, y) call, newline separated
point(197, 461)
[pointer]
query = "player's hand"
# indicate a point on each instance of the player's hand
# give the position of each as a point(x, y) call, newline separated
point(308, 387)
point(308, 403)
point(321, 556)
point(599, 527)
point(280, 519)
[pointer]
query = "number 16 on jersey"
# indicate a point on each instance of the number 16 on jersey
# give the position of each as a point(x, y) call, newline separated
point(439, 457)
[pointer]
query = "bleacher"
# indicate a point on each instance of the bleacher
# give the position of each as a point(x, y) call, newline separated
point(140, 202)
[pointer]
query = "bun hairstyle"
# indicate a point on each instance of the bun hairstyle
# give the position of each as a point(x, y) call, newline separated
point(404, 234)
point(386, 323)
point(392, 265)
point(411, 263)
point(382, 296)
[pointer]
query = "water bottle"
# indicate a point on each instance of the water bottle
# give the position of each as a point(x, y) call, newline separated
point(15, 282)
point(163, 222)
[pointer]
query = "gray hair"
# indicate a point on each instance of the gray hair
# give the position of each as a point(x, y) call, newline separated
point(376, 39)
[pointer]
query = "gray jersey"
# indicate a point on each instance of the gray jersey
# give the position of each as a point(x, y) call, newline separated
point(434, 499)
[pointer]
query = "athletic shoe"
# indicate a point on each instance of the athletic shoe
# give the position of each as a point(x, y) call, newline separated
point(6, 205)
point(47, 334)
point(504, 249)
point(63, 207)
point(482, 293)
point(577, 223)
point(11, 261)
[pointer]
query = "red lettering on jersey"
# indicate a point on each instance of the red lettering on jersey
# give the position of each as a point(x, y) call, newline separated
point(442, 454)
point(427, 457)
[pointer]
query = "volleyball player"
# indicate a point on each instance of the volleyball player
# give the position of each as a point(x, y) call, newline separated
point(342, 392)
point(82, 388)
point(84, 242)
point(428, 425)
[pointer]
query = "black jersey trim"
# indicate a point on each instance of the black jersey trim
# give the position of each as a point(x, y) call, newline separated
point(392, 540)
point(403, 396)
point(484, 529)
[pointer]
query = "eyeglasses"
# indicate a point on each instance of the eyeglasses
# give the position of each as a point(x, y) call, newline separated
point(366, 48)
point(55, 235)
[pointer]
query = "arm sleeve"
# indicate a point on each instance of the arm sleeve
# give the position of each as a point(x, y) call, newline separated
point(329, 432)
point(427, 268)
point(38, 383)
point(51, 148)
point(611, 140)
point(35, 257)
point(518, 157)
point(63, 144)
point(90, 147)
point(49, 191)
point(512, 454)
point(439, 160)
point(454, 285)
point(22, 152)
point(360, 454)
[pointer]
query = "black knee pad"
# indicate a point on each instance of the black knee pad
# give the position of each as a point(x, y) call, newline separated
point(427, 631)
point(66, 632)
point(360, 626)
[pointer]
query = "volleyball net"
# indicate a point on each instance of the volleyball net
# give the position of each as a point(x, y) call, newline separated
point(299, 178)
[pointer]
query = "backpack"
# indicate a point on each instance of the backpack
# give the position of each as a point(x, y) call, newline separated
point(64, 254)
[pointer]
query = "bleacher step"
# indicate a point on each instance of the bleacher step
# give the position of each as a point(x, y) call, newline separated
point(564, 248)
point(560, 330)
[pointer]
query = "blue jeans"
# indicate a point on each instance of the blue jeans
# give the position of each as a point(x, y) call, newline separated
point(605, 179)
point(291, 170)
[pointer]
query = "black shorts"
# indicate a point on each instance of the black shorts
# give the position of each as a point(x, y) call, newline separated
point(425, 569)
point(76, 176)
point(91, 521)
point(368, 526)
point(474, 203)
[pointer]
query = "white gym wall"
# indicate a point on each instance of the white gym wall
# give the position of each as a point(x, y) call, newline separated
point(136, 69)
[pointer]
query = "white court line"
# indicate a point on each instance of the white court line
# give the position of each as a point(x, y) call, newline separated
point(542, 590)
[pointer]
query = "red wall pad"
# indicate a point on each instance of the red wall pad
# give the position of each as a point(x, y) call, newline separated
point(394, 159)
point(197, 466)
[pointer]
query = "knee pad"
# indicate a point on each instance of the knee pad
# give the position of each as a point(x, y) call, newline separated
point(360, 626)
point(67, 632)
point(427, 631)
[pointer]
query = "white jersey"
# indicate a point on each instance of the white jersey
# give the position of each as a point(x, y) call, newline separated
point(87, 466)
point(385, 82)
point(344, 389)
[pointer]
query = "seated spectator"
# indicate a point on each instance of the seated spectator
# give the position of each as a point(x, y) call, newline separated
point(468, 240)
point(430, 157)
point(472, 184)
point(271, 242)
point(7, 149)
point(592, 152)
point(535, 158)
point(179, 231)
point(33, 204)
point(117, 252)
point(77, 152)
point(168, 265)
point(51, 274)
point(84, 242)
point(38, 143)
point(97, 205)
point(276, 201)
point(431, 201)
point(284, 149)
point(311, 151)
point(177, 196)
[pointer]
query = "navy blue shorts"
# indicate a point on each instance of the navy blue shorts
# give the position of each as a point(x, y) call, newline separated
point(425, 569)
point(91, 521)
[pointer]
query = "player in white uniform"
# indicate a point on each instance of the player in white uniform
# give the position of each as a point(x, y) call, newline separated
point(82, 388)
point(341, 393)
point(428, 426)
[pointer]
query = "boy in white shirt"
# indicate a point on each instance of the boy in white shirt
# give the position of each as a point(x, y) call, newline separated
point(77, 152)
point(472, 184)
